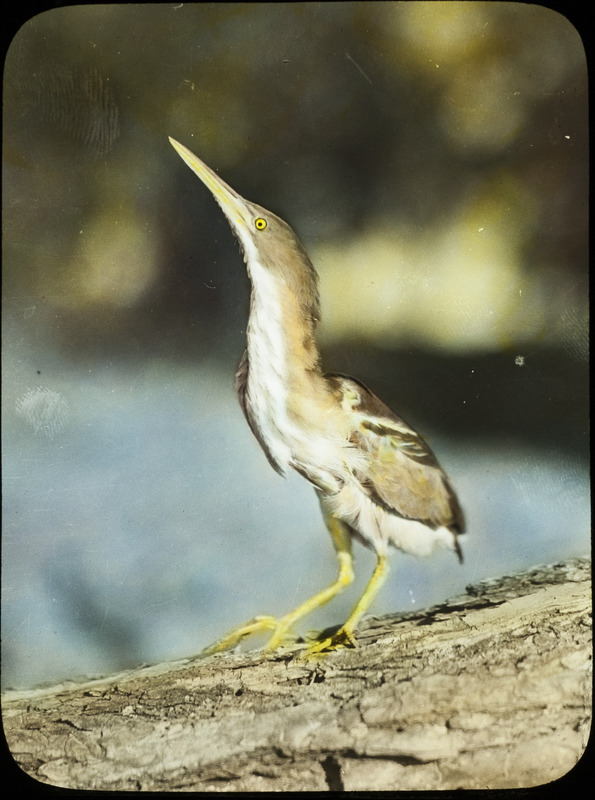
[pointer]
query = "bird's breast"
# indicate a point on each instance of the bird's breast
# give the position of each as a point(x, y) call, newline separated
point(290, 407)
point(296, 422)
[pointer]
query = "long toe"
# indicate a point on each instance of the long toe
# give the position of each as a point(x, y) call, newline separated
point(283, 635)
point(233, 638)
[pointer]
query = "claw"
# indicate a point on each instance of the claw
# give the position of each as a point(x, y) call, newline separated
point(342, 638)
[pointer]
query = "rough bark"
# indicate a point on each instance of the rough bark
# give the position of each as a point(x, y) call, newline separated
point(490, 689)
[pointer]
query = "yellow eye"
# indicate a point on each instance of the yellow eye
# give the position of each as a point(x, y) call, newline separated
point(260, 223)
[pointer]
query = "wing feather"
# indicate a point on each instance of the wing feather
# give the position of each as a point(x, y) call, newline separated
point(402, 473)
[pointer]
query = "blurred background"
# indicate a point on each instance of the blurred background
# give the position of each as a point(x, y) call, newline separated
point(433, 159)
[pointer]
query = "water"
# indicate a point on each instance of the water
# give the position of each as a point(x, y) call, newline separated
point(141, 521)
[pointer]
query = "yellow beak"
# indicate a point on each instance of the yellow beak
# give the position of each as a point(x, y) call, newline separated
point(233, 204)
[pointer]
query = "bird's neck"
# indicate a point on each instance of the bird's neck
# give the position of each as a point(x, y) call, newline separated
point(287, 399)
point(281, 331)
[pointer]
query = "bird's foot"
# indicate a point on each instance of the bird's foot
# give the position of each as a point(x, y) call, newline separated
point(341, 638)
point(262, 624)
point(281, 636)
point(233, 638)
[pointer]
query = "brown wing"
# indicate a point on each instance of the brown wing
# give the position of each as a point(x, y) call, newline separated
point(402, 473)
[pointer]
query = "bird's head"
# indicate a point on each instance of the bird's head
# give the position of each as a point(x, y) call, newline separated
point(266, 240)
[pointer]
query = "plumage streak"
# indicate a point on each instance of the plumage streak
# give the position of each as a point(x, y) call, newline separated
point(418, 490)
point(376, 479)
point(241, 387)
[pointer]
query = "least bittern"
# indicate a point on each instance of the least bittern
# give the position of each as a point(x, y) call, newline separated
point(376, 479)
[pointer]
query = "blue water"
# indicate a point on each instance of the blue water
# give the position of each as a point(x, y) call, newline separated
point(141, 521)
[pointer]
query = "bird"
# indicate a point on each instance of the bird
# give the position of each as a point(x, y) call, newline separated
point(377, 480)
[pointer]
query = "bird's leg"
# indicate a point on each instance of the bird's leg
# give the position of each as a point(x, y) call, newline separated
point(281, 627)
point(342, 542)
point(344, 637)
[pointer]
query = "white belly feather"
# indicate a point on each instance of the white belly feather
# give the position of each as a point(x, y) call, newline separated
point(379, 528)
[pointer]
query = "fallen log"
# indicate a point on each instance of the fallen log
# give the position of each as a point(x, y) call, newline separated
point(490, 689)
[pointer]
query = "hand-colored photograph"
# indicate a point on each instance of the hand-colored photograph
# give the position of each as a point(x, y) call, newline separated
point(295, 397)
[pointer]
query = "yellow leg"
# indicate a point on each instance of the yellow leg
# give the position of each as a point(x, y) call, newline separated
point(285, 624)
point(342, 542)
point(344, 637)
point(281, 627)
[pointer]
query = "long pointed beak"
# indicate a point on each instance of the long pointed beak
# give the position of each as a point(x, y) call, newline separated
point(233, 204)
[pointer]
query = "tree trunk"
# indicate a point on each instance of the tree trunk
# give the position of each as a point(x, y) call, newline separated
point(490, 689)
